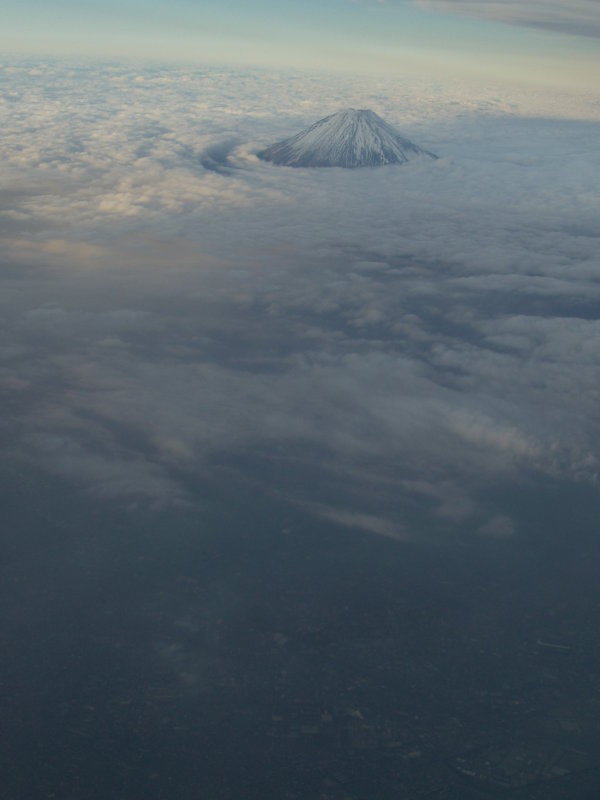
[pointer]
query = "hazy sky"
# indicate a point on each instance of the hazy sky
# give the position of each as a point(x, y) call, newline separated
point(539, 41)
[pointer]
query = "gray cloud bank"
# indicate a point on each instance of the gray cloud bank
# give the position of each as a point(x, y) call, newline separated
point(578, 17)
point(390, 349)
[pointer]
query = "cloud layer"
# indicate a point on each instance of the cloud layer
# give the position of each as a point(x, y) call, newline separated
point(387, 349)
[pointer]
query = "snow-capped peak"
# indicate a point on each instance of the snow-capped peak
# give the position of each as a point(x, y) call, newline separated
point(350, 138)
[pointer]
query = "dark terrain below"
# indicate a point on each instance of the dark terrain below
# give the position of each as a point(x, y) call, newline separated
point(243, 650)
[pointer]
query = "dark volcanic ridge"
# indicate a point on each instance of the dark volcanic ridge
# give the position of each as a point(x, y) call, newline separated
point(351, 138)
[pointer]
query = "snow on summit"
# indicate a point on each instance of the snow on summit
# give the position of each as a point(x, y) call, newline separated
point(350, 138)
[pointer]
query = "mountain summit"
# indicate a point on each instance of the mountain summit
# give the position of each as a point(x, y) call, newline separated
point(350, 138)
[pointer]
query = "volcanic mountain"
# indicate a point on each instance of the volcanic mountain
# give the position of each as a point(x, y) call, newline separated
point(350, 138)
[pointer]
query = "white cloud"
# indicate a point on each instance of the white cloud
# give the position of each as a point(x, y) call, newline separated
point(498, 528)
point(414, 336)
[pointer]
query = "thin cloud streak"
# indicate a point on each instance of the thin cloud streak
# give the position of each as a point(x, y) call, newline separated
point(577, 18)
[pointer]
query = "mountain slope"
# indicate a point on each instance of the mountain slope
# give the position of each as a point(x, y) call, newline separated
point(350, 138)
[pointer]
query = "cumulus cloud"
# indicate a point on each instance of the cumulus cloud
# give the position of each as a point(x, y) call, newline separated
point(383, 348)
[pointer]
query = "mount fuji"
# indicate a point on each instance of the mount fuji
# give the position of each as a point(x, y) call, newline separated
point(351, 138)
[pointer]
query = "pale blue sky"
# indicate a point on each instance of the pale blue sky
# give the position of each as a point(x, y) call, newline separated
point(539, 41)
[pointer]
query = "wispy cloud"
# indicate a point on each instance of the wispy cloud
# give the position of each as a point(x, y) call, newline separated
point(578, 17)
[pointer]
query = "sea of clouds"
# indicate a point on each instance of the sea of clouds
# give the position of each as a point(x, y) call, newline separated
point(391, 349)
